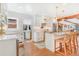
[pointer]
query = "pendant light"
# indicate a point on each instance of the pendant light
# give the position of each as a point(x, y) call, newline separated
point(56, 18)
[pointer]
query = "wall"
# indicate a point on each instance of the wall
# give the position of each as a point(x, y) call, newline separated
point(21, 17)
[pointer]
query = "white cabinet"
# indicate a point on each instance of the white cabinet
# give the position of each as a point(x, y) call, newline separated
point(49, 41)
point(8, 47)
point(37, 34)
point(27, 34)
point(36, 37)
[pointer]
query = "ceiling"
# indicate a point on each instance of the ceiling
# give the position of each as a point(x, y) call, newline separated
point(48, 9)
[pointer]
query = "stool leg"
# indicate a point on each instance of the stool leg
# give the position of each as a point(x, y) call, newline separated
point(76, 44)
point(65, 50)
point(55, 46)
point(70, 48)
point(73, 47)
point(60, 46)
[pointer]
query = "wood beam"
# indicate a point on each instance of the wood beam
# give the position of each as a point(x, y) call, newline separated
point(69, 17)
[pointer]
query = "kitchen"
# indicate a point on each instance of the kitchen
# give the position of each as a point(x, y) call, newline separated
point(45, 25)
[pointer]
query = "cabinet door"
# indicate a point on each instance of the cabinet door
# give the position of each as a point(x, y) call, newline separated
point(49, 41)
point(38, 36)
point(27, 35)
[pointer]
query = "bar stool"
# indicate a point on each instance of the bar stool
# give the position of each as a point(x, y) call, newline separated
point(74, 42)
point(64, 47)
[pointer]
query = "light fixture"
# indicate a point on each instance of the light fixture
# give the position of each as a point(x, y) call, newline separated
point(57, 28)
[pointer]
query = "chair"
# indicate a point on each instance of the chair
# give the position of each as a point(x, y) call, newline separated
point(74, 42)
point(64, 47)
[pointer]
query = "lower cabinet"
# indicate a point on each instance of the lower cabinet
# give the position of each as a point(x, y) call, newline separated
point(27, 34)
point(49, 41)
point(38, 36)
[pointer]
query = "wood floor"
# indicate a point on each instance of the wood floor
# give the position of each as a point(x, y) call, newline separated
point(30, 49)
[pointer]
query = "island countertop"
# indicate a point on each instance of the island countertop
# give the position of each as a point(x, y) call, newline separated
point(50, 39)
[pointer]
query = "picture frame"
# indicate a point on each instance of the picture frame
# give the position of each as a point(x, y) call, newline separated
point(12, 23)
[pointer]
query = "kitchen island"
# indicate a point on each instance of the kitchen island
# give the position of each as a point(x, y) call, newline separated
point(50, 38)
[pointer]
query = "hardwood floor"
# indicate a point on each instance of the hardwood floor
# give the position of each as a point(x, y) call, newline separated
point(31, 50)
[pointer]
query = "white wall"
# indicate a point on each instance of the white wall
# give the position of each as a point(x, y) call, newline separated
point(21, 18)
point(28, 22)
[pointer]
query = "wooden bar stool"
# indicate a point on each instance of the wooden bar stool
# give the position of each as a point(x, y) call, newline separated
point(74, 42)
point(64, 47)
